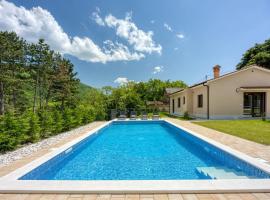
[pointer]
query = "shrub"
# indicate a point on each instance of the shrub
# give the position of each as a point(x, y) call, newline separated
point(186, 115)
point(46, 124)
point(67, 120)
point(58, 122)
point(78, 116)
point(100, 113)
point(9, 132)
point(23, 127)
point(88, 115)
point(34, 128)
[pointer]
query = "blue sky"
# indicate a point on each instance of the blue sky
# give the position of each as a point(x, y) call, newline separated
point(139, 40)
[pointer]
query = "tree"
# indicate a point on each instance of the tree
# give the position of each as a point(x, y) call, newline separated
point(65, 84)
point(40, 93)
point(11, 61)
point(258, 55)
point(38, 55)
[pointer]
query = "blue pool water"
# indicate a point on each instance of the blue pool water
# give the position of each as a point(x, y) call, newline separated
point(137, 151)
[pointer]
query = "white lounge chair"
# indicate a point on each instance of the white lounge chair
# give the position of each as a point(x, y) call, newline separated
point(144, 116)
point(122, 115)
point(155, 116)
point(133, 115)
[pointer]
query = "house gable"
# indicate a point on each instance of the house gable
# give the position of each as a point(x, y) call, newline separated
point(253, 67)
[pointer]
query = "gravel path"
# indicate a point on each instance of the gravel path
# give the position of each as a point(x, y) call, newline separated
point(26, 150)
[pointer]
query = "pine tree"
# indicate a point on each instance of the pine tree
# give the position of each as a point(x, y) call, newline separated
point(12, 60)
point(38, 55)
point(65, 85)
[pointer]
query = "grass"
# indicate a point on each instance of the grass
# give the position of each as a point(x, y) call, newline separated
point(166, 114)
point(254, 130)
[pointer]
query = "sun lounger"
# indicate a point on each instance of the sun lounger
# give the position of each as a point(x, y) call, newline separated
point(133, 115)
point(122, 115)
point(144, 116)
point(155, 116)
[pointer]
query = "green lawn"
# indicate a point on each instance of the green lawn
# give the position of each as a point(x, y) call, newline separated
point(166, 114)
point(254, 130)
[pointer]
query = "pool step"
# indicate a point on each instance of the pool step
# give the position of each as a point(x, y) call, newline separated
point(221, 173)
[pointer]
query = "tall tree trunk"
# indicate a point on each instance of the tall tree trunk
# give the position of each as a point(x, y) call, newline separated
point(2, 98)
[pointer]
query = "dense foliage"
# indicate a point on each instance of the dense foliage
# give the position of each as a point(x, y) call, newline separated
point(40, 95)
point(135, 95)
point(259, 55)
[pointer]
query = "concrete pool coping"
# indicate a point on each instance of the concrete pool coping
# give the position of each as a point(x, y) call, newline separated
point(10, 184)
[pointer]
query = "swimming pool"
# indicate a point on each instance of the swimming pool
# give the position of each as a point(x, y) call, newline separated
point(140, 156)
point(150, 150)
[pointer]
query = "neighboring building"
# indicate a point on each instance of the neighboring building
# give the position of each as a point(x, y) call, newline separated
point(239, 94)
point(164, 104)
point(169, 91)
point(159, 105)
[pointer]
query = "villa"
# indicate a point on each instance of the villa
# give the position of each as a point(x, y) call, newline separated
point(243, 93)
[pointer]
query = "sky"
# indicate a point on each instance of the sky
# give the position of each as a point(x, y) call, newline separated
point(113, 42)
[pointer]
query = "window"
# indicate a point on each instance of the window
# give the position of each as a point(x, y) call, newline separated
point(184, 100)
point(179, 102)
point(200, 101)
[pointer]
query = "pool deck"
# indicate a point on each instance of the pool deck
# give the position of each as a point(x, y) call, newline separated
point(252, 149)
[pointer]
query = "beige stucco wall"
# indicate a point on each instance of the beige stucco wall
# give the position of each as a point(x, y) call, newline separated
point(199, 112)
point(183, 107)
point(225, 99)
point(225, 102)
point(268, 104)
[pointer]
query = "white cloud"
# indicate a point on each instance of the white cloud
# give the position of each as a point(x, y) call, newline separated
point(121, 80)
point(168, 27)
point(35, 23)
point(180, 36)
point(97, 18)
point(158, 69)
point(140, 40)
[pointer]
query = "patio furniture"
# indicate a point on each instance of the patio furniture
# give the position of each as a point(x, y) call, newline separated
point(155, 116)
point(122, 115)
point(144, 116)
point(133, 115)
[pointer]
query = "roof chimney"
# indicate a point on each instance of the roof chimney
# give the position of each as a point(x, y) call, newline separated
point(216, 70)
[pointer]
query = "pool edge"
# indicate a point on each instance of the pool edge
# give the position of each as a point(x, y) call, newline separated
point(10, 184)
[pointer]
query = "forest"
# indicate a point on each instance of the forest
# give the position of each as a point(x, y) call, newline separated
point(41, 94)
